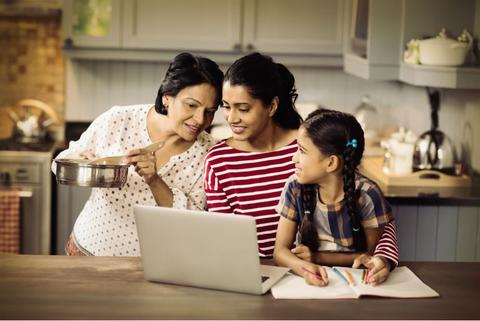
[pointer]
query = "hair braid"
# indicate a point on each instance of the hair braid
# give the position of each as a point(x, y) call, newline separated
point(308, 232)
point(349, 167)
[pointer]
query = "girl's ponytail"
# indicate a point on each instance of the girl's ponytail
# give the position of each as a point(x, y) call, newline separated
point(351, 197)
point(308, 232)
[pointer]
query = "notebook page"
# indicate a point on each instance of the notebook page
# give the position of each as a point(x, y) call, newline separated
point(401, 283)
point(294, 287)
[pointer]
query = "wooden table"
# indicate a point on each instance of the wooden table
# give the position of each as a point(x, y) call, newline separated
point(59, 287)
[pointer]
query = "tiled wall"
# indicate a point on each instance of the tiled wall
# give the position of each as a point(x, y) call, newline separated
point(94, 86)
point(31, 64)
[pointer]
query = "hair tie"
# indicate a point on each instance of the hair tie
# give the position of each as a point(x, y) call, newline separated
point(352, 143)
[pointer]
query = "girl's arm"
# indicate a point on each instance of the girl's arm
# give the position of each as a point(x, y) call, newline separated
point(387, 247)
point(372, 235)
point(283, 256)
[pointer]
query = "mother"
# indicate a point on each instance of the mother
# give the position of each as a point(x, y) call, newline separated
point(186, 102)
point(246, 173)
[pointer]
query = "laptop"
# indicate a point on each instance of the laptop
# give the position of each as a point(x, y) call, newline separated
point(201, 249)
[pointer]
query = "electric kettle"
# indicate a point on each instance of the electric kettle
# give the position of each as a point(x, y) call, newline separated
point(434, 150)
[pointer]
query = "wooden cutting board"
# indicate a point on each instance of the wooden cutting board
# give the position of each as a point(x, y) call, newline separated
point(372, 167)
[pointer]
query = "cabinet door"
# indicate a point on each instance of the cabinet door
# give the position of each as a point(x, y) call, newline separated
point(182, 24)
point(89, 23)
point(294, 26)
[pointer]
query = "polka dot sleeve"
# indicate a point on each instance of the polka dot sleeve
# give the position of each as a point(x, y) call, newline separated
point(88, 140)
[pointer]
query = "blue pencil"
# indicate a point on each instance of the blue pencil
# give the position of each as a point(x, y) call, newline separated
point(340, 275)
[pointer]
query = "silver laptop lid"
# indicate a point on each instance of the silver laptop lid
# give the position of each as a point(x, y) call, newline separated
point(195, 248)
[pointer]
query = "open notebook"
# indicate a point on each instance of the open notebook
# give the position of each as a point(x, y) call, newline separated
point(401, 283)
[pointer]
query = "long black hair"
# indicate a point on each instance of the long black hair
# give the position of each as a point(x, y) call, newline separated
point(335, 133)
point(187, 70)
point(265, 80)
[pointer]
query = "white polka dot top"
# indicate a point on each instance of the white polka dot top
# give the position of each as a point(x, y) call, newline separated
point(106, 225)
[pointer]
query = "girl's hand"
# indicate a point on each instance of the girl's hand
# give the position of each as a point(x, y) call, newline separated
point(303, 252)
point(378, 267)
point(145, 164)
point(315, 275)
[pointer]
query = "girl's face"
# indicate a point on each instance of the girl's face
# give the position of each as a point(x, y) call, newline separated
point(311, 166)
point(191, 110)
point(247, 116)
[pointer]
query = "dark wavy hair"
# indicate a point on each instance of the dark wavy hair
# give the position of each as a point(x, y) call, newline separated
point(266, 80)
point(187, 70)
point(331, 131)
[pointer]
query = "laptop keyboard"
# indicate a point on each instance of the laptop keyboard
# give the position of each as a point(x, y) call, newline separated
point(265, 278)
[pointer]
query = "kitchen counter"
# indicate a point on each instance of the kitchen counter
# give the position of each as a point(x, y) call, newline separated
point(410, 190)
point(450, 196)
point(60, 287)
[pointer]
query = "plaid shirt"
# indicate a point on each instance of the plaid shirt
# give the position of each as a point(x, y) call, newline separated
point(332, 221)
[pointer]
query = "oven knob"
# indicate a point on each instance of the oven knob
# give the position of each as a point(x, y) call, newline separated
point(5, 178)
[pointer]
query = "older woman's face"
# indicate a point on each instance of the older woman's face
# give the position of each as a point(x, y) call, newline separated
point(246, 115)
point(191, 110)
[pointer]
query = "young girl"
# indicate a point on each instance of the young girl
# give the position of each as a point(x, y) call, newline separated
point(326, 205)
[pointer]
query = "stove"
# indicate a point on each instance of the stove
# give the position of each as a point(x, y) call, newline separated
point(26, 168)
point(13, 145)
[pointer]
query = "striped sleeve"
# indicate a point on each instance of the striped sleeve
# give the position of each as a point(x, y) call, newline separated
point(388, 246)
point(217, 200)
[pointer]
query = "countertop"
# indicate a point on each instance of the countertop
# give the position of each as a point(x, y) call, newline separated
point(60, 287)
point(450, 196)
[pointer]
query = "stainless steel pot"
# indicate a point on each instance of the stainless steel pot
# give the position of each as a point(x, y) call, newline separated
point(80, 173)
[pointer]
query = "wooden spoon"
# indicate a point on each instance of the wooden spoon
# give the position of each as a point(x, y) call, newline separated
point(121, 160)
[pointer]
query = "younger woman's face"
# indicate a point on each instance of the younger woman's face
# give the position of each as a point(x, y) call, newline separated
point(191, 110)
point(247, 116)
point(310, 163)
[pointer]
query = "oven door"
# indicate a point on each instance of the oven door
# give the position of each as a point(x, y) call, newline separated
point(29, 172)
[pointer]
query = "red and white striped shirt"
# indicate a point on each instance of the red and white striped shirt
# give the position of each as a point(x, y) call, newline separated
point(251, 183)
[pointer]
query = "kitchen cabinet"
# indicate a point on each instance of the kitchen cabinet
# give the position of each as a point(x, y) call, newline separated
point(454, 16)
point(85, 24)
point(390, 24)
point(372, 49)
point(293, 26)
point(69, 203)
point(302, 32)
point(438, 233)
point(212, 25)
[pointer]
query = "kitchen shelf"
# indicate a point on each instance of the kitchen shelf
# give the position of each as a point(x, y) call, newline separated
point(361, 67)
point(149, 55)
point(442, 77)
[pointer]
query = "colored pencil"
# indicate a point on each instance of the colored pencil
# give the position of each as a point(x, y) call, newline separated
point(316, 274)
point(342, 277)
point(363, 276)
point(366, 277)
point(349, 277)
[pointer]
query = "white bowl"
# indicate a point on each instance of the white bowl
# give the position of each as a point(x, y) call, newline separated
point(442, 52)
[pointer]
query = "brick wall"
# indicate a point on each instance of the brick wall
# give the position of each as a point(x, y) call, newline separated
point(31, 64)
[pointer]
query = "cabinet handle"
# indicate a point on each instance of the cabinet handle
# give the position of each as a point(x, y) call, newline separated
point(68, 43)
point(237, 47)
point(250, 47)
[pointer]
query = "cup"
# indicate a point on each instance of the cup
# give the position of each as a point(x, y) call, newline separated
point(400, 158)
